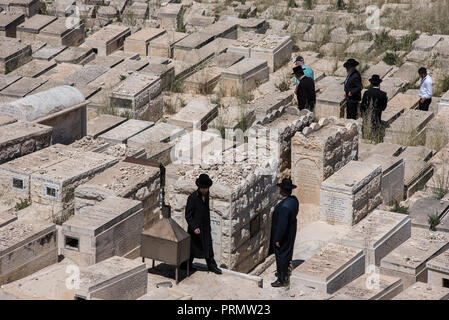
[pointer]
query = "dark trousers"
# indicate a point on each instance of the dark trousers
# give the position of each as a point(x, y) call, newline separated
point(282, 268)
point(351, 109)
point(424, 106)
point(309, 106)
point(209, 261)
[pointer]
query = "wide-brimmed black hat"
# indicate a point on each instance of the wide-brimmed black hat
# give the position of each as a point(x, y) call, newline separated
point(351, 63)
point(286, 184)
point(375, 79)
point(203, 181)
point(298, 70)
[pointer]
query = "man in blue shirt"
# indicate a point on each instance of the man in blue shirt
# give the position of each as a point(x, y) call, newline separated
point(308, 72)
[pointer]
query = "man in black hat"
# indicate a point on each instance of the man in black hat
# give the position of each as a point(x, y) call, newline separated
point(374, 101)
point(305, 90)
point(198, 219)
point(283, 231)
point(353, 88)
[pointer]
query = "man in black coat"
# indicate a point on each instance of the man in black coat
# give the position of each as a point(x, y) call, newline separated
point(305, 90)
point(198, 219)
point(374, 101)
point(353, 88)
point(283, 231)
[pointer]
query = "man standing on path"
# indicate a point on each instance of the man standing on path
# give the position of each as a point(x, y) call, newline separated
point(353, 88)
point(198, 219)
point(425, 89)
point(308, 72)
point(283, 231)
point(374, 101)
point(305, 90)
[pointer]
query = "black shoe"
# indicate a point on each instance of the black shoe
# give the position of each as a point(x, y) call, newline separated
point(215, 270)
point(278, 283)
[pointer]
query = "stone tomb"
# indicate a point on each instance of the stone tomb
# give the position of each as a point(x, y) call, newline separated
point(195, 115)
point(108, 39)
point(13, 54)
point(423, 291)
point(27, 7)
point(126, 180)
point(438, 270)
point(408, 261)
point(330, 269)
point(28, 30)
point(182, 49)
point(50, 176)
point(437, 132)
point(276, 50)
point(419, 212)
point(393, 171)
point(126, 130)
point(319, 153)
point(330, 101)
point(26, 247)
point(111, 227)
point(245, 42)
point(116, 278)
point(163, 46)
point(76, 55)
point(34, 68)
point(103, 123)
point(170, 16)
point(351, 193)
point(9, 23)
point(139, 94)
point(23, 87)
point(359, 290)
point(58, 34)
point(409, 128)
point(20, 138)
point(244, 76)
point(6, 218)
point(160, 132)
point(48, 52)
point(444, 101)
point(139, 42)
point(378, 234)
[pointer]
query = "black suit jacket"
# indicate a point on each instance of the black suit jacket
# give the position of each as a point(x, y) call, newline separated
point(305, 92)
point(353, 84)
point(375, 96)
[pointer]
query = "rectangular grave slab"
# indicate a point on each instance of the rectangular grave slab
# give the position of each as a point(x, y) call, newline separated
point(393, 171)
point(26, 247)
point(438, 270)
point(108, 39)
point(409, 127)
point(436, 130)
point(34, 68)
point(406, 72)
point(86, 74)
point(58, 34)
point(126, 130)
point(22, 87)
point(163, 45)
point(245, 42)
point(378, 234)
point(28, 7)
point(77, 55)
point(6, 80)
point(422, 208)
point(388, 287)
point(116, 278)
point(276, 50)
point(423, 291)
point(444, 101)
point(330, 102)
point(170, 15)
point(195, 115)
point(13, 54)
point(426, 42)
point(102, 124)
point(408, 261)
point(48, 52)
point(110, 227)
point(330, 269)
point(28, 30)
point(139, 42)
point(244, 76)
point(351, 193)
point(6, 218)
point(160, 132)
point(9, 23)
point(183, 48)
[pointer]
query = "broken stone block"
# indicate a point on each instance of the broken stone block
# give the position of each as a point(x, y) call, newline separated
point(170, 16)
point(330, 269)
point(163, 46)
point(420, 211)
point(140, 95)
point(383, 288)
point(139, 42)
point(13, 54)
point(28, 30)
point(21, 138)
point(116, 278)
point(378, 234)
point(423, 291)
point(244, 76)
point(438, 270)
point(408, 261)
point(111, 227)
point(276, 50)
point(9, 23)
point(57, 33)
point(26, 247)
point(351, 193)
point(318, 155)
point(195, 115)
point(108, 39)
point(103, 123)
point(126, 130)
point(392, 182)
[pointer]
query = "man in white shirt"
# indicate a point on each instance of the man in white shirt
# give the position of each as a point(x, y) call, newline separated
point(425, 89)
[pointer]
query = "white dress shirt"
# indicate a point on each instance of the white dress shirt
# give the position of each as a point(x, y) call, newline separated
point(425, 89)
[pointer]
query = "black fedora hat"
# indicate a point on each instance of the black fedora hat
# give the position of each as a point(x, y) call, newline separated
point(286, 184)
point(351, 63)
point(375, 79)
point(298, 70)
point(203, 181)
